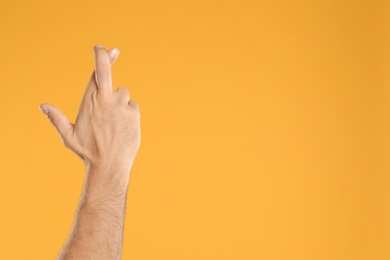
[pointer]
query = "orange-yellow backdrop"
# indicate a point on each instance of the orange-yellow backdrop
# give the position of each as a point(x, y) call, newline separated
point(265, 126)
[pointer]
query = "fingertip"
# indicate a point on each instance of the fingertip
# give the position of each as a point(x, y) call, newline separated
point(114, 52)
point(44, 109)
point(97, 46)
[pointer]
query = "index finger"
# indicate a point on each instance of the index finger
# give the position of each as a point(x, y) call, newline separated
point(102, 70)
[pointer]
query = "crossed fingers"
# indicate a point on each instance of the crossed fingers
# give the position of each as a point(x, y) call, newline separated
point(102, 71)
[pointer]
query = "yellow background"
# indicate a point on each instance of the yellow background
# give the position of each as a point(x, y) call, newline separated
point(265, 126)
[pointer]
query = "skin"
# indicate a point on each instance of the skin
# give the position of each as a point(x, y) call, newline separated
point(106, 136)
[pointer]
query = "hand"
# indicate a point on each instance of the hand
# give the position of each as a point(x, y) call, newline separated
point(107, 128)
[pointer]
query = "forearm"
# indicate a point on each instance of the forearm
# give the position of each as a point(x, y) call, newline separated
point(98, 227)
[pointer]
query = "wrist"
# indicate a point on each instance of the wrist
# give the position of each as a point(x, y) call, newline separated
point(108, 177)
point(107, 162)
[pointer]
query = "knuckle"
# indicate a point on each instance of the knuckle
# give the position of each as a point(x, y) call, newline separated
point(123, 89)
point(134, 106)
point(135, 114)
point(124, 92)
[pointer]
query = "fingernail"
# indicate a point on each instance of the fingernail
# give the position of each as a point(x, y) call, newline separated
point(98, 46)
point(44, 109)
point(114, 52)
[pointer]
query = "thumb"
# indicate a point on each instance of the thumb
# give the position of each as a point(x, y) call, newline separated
point(58, 120)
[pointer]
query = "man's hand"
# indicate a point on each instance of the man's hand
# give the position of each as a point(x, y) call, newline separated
point(106, 136)
point(107, 128)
